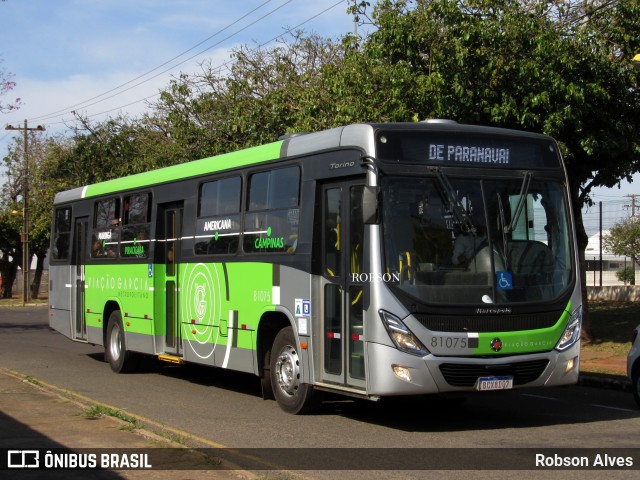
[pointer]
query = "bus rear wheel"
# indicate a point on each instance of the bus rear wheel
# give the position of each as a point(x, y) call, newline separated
point(292, 395)
point(120, 360)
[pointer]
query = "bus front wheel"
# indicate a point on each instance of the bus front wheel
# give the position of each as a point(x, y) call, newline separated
point(292, 395)
point(120, 360)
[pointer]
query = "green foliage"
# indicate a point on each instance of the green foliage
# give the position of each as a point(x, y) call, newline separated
point(627, 275)
point(523, 65)
point(559, 67)
point(12, 208)
point(97, 411)
point(624, 239)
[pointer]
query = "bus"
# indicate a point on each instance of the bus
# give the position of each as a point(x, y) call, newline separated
point(368, 260)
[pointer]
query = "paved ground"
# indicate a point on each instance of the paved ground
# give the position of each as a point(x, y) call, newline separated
point(34, 415)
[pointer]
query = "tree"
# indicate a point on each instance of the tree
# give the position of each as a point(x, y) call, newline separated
point(558, 67)
point(12, 201)
point(627, 275)
point(6, 85)
point(262, 95)
point(11, 250)
point(7, 223)
point(10, 222)
point(624, 239)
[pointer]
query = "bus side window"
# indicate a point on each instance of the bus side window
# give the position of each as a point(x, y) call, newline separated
point(218, 222)
point(357, 228)
point(106, 228)
point(332, 228)
point(272, 218)
point(134, 241)
point(62, 234)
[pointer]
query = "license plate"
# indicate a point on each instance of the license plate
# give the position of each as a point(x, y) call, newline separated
point(494, 383)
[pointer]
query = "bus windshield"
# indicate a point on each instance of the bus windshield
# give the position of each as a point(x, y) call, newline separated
point(477, 241)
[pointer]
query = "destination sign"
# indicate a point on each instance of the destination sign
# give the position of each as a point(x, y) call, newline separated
point(464, 150)
point(468, 154)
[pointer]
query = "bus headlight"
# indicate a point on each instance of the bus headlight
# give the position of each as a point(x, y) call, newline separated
point(572, 333)
point(401, 335)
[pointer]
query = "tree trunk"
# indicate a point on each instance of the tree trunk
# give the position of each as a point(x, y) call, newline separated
point(9, 273)
point(4, 275)
point(583, 240)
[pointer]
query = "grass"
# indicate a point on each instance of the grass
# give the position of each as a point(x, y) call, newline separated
point(33, 381)
point(97, 411)
point(611, 325)
point(17, 302)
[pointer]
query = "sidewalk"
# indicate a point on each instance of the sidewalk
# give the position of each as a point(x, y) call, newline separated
point(36, 417)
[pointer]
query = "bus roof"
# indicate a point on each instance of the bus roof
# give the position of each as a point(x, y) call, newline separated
point(355, 136)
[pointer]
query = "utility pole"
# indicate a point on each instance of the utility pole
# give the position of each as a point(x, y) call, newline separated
point(633, 205)
point(25, 209)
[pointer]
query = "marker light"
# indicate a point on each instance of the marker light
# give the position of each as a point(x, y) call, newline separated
point(401, 335)
point(572, 333)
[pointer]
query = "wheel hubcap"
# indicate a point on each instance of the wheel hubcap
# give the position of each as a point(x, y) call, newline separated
point(288, 370)
point(114, 342)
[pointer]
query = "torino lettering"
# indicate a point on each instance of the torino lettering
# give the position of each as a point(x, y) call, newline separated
point(375, 277)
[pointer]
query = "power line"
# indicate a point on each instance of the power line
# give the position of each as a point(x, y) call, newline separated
point(68, 109)
point(218, 67)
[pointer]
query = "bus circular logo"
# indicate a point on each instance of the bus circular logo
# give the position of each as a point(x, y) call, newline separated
point(496, 344)
point(200, 302)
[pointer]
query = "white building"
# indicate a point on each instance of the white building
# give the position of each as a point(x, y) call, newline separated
point(611, 263)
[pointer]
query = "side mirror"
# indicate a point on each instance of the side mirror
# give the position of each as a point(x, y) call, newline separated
point(370, 205)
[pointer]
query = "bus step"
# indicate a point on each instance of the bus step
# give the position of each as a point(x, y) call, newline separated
point(165, 357)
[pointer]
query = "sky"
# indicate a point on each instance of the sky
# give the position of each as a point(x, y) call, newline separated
point(105, 57)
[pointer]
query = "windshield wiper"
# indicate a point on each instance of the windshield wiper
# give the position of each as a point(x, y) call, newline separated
point(522, 200)
point(461, 214)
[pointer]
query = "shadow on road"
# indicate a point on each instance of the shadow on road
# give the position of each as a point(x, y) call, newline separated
point(18, 436)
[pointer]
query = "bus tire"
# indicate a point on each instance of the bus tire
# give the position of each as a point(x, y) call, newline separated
point(292, 395)
point(120, 360)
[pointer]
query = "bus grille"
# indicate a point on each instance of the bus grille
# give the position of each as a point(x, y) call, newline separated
point(488, 323)
point(465, 375)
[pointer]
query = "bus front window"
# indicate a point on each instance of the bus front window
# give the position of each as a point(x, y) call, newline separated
point(472, 241)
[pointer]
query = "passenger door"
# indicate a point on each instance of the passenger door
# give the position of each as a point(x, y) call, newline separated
point(78, 319)
point(342, 334)
point(168, 259)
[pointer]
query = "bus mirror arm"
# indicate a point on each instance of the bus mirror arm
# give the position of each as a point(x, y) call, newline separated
point(370, 205)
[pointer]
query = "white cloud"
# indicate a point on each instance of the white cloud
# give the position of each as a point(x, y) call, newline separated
point(66, 52)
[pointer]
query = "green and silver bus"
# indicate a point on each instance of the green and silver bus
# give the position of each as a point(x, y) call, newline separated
point(369, 260)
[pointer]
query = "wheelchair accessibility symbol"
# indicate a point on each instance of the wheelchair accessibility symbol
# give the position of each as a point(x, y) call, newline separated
point(504, 280)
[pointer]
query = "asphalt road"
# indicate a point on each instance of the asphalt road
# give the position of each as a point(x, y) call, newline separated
point(226, 409)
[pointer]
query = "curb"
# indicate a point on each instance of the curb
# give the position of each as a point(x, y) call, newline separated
point(607, 381)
